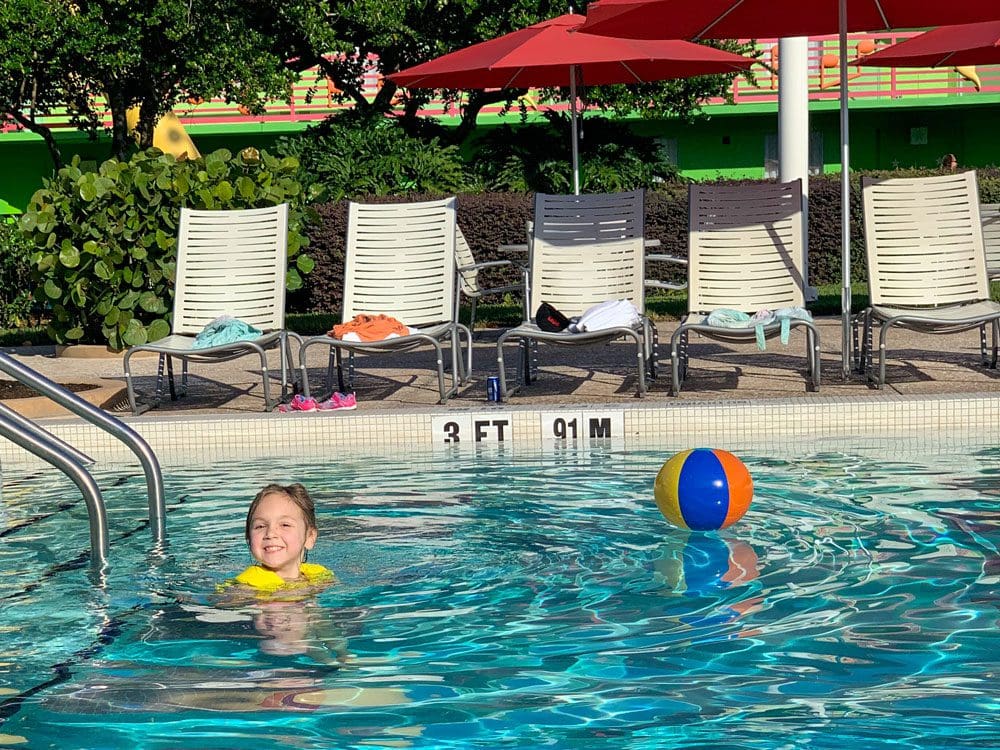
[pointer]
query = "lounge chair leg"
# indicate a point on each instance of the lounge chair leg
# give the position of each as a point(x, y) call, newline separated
point(675, 362)
point(169, 362)
point(442, 388)
point(883, 334)
point(332, 361)
point(861, 343)
point(464, 364)
point(303, 379)
point(266, 379)
point(268, 404)
point(640, 354)
point(284, 358)
point(991, 360)
point(506, 392)
point(338, 357)
point(130, 389)
point(653, 336)
point(996, 342)
point(812, 356)
point(867, 347)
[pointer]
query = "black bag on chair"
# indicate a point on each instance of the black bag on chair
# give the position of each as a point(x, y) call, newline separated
point(549, 319)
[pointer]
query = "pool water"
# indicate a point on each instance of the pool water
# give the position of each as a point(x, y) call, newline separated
point(515, 599)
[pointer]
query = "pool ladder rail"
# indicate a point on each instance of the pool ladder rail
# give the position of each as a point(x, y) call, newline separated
point(60, 454)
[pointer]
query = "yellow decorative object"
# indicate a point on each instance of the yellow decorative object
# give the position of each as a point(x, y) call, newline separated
point(969, 72)
point(169, 135)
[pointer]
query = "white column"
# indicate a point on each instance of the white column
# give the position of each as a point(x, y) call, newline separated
point(793, 129)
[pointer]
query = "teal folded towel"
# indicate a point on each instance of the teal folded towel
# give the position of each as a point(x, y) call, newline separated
point(786, 315)
point(725, 318)
point(224, 330)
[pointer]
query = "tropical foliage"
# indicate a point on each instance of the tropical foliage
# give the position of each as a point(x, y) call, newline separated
point(537, 158)
point(16, 300)
point(105, 242)
point(345, 158)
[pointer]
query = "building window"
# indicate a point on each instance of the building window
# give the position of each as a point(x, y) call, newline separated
point(771, 162)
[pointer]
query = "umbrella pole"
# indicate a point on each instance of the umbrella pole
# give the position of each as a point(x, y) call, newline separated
point(845, 203)
point(574, 134)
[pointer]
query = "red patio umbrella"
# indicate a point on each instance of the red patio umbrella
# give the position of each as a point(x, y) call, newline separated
point(551, 54)
point(746, 19)
point(964, 44)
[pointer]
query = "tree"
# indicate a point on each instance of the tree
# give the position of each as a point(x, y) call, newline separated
point(401, 33)
point(151, 54)
point(37, 47)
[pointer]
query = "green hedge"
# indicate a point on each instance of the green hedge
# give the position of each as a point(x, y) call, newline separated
point(491, 219)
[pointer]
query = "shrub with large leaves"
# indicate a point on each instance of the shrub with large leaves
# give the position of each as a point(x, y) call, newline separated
point(105, 242)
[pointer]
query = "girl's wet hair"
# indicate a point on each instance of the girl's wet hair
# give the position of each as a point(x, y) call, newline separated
point(294, 492)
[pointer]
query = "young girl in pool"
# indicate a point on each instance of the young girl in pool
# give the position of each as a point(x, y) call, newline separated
point(281, 529)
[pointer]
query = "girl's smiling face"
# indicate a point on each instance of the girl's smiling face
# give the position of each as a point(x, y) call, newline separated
point(279, 535)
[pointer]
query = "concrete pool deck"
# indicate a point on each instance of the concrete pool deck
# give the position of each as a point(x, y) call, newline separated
point(734, 398)
point(918, 365)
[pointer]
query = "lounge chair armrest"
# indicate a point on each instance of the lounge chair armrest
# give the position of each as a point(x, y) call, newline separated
point(518, 247)
point(667, 259)
point(526, 298)
point(485, 264)
point(656, 284)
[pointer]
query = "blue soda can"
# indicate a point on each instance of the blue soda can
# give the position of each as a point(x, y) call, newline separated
point(493, 388)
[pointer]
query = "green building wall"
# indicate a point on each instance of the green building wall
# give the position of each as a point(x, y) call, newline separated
point(728, 142)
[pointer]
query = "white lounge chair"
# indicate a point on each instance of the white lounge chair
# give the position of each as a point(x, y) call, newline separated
point(989, 213)
point(400, 261)
point(745, 255)
point(585, 249)
point(228, 263)
point(926, 262)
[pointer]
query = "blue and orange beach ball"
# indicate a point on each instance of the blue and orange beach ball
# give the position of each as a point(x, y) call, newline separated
point(703, 489)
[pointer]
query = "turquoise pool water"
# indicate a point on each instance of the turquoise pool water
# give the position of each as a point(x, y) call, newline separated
point(517, 600)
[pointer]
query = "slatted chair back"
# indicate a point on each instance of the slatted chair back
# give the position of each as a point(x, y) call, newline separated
point(587, 249)
point(989, 214)
point(231, 263)
point(469, 277)
point(745, 247)
point(400, 261)
point(924, 241)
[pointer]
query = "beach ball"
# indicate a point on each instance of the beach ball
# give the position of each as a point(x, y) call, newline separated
point(703, 489)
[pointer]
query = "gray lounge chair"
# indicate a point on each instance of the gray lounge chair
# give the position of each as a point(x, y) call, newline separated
point(745, 254)
point(585, 249)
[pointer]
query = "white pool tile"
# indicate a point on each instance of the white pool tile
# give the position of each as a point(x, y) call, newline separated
point(177, 439)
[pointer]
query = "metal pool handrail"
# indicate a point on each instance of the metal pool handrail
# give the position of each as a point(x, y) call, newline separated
point(64, 457)
point(90, 413)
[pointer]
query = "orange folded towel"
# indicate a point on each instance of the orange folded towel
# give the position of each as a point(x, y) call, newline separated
point(370, 327)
